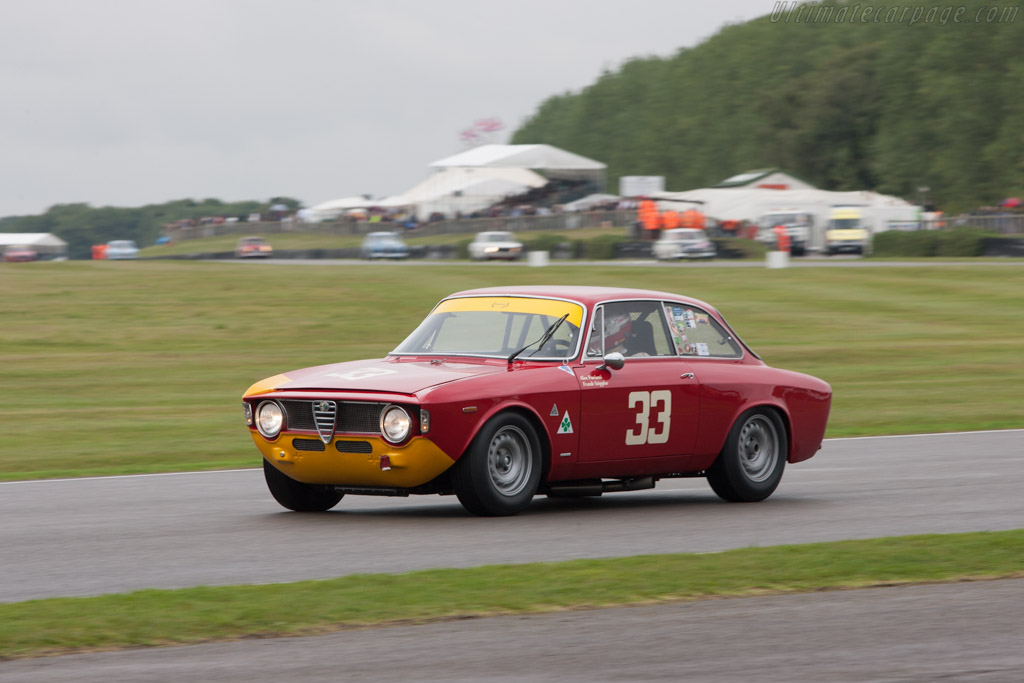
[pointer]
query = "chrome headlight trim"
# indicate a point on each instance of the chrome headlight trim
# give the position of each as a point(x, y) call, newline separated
point(269, 419)
point(395, 424)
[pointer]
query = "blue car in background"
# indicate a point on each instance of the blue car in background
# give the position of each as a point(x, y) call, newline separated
point(118, 250)
point(384, 245)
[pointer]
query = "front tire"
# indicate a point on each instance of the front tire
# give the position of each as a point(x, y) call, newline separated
point(750, 466)
point(297, 496)
point(500, 472)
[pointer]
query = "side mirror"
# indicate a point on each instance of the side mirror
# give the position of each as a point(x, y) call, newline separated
point(613, 360)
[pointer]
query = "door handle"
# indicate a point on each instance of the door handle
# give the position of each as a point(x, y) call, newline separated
point(686, 375)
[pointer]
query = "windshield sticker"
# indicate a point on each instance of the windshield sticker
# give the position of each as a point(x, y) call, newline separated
point(702, 349)
point(362, 373)
point(565, 427)
point(702, 319)
point(689, 318)
point(554, 410)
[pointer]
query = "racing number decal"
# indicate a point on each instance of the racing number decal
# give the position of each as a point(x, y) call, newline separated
point(661, 401)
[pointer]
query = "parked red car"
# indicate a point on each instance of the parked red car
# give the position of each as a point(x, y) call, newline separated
point(19, 253)
point(504, 393)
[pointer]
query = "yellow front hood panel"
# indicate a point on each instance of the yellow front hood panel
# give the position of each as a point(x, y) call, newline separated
point(414, 464)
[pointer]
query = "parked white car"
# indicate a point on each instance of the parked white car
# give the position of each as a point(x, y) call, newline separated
point(680, 243)
point(121, 249)
point(495, 244)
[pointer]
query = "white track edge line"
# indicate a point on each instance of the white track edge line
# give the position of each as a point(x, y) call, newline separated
point(252, 469)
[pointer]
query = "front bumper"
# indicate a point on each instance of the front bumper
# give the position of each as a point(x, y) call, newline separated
point(849, 247)
point(414, 464)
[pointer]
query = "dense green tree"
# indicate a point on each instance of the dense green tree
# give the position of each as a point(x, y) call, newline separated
point(82, 226)
point(927, 95)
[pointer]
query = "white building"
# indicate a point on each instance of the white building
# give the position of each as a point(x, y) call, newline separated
point(47, 245)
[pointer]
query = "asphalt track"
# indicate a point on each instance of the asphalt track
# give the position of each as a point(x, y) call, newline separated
point(78, 537)
point(953, 632)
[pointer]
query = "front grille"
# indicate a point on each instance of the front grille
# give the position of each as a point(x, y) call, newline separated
point(351, 417)
point(324, 413)
point(353, 446)
point(299, 415)
point(360, 418)
point(308, 445)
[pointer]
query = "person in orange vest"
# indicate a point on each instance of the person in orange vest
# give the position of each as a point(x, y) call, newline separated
point(692, 218)
point(670, 219)
point(647, 212)
point(781, 238)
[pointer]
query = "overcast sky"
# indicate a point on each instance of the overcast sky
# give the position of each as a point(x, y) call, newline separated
point(133, 102)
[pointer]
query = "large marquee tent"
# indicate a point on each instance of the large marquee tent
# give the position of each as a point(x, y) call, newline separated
point(551, 162)
point(47, 245)
point(476, 179)
point(881, 212)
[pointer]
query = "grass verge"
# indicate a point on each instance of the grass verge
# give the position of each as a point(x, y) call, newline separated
point(193, 615)
point(118, 367)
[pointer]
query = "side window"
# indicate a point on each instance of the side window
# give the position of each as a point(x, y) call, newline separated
point(595, 347)
point(696, 333)
point(636, 328)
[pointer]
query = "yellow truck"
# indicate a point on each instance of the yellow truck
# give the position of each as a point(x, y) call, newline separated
point(847, 232)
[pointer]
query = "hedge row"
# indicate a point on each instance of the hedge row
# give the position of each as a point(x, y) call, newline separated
point(964, 241)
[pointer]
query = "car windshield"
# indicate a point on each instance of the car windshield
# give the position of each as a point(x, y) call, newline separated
point(845, 223)
point(381, 239)
point(122, 244)
point(497, 237)
point(253, 240)
point(685, 235)
point(785, 219)
point(496, 327)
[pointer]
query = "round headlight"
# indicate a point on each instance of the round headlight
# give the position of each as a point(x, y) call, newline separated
point(269, 419)
point(395, 424)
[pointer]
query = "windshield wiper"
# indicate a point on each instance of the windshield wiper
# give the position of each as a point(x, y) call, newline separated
point(542, 341)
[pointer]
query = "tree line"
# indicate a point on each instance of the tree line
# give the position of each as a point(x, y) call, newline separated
point(82, 226)
point(848, 97)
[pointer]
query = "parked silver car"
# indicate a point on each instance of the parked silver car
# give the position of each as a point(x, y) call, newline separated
point(118, 250)
point(495, 244)
point(384, 245)
point(683, 243)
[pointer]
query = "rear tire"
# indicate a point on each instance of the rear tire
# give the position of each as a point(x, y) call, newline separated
point(750, 465)
point(500, 472)
point(297, 496)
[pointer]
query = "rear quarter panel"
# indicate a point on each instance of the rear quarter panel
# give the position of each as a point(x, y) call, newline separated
point(730, 389)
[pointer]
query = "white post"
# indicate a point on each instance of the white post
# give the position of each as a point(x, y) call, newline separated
point(537, 258)
point(778, 259)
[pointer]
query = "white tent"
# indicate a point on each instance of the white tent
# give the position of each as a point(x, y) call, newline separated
point(329, 210)
point(589, 202)
point(46, 244)
point(550, 161)
point(465, 190)
point(750, 204)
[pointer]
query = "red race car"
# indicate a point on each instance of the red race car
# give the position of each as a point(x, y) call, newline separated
point(504, 393)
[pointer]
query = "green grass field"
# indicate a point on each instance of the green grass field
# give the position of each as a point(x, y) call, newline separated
point(117, 367)
point(193, 615)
